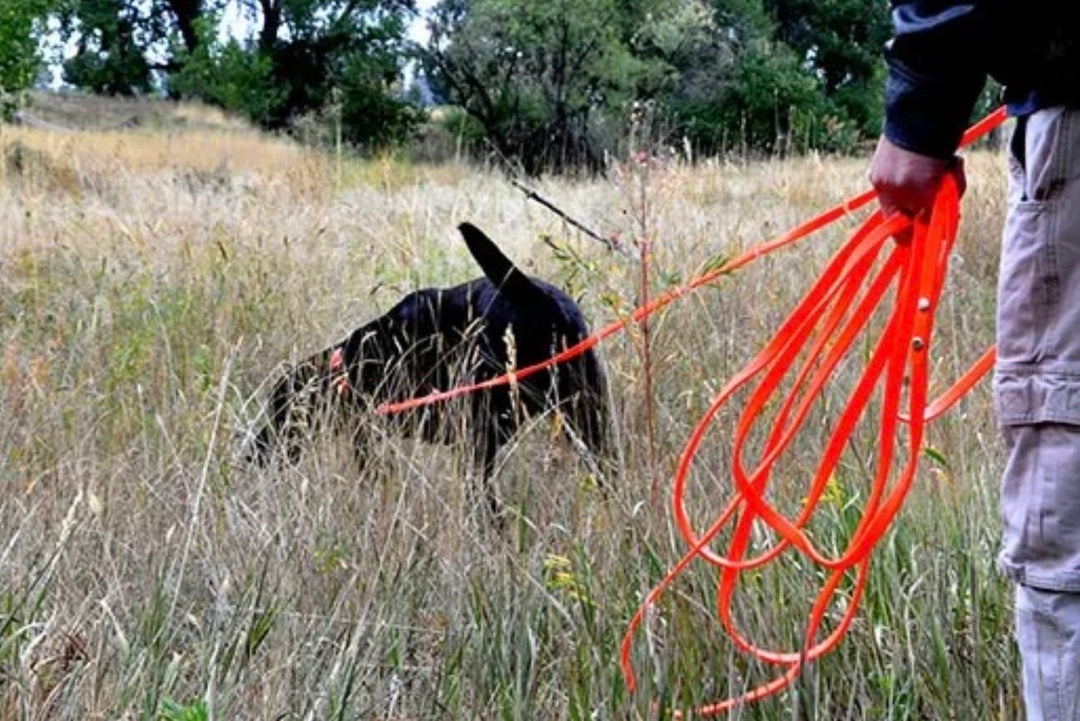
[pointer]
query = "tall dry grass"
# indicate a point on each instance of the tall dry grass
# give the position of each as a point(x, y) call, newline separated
point(151, 281)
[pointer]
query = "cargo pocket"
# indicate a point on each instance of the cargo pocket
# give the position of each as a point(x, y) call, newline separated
point(1042, 190)
point(1029, 283)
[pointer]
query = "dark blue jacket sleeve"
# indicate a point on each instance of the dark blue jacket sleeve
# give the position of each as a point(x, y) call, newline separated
point(936, 70)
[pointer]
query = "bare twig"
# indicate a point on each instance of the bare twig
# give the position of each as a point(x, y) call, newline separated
point(609, 243)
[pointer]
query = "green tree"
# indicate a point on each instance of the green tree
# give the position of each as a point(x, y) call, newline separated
point(841, 41)
point(315, 44)
point(111, 33)
point(233, 75)
point(115, 40)
point(545, 79)
point(550, 83)
point(348, 68)
point(304, 55)
point(187, 15)
point(20, 59)
point(372, 110)
point(110, 46)
point(763, 84)
point(342, 59)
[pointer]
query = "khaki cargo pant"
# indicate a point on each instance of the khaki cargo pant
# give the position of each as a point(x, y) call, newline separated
point(1037, 402)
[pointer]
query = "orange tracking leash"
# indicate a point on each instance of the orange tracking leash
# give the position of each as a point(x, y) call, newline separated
point(811, 343)
point(807, 349)
point(828, 325)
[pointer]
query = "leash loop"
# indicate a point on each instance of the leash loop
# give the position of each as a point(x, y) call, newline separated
point(821, 331)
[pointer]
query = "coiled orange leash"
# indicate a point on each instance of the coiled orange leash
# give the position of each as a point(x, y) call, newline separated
point(806, 350)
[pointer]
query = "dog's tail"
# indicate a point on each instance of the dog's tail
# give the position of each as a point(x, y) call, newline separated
point(499, 269)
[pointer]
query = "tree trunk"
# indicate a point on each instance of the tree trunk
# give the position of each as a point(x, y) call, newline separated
point(187, 12)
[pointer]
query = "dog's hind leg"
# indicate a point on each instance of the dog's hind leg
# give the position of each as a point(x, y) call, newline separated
point(588, 426)
point(487, 437)
point(359, 435)
point(485, 449)
point(291, 414)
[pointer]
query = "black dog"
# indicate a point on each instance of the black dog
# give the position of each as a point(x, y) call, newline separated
point(440, 338)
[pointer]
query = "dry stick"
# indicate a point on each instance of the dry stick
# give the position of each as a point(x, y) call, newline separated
point(530, 194)
point(645, 250)
point(639, 162)
point(646, 360)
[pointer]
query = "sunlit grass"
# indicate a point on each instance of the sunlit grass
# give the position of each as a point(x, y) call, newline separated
point(151, 281)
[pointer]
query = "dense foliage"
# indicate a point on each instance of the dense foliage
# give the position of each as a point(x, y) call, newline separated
point(20, 32)
point(545, 84)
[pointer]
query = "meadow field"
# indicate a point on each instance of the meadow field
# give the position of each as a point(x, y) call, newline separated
point(153, 279)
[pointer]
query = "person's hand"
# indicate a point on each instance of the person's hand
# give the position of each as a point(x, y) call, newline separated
point(906, 181)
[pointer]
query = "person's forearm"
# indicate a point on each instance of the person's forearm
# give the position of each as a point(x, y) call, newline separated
point(936, 72)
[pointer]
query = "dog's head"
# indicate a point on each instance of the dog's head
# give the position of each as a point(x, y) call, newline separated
point(345, 376)
point(293, 412)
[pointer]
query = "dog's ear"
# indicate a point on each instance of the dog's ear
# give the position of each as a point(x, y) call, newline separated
point(499, 269)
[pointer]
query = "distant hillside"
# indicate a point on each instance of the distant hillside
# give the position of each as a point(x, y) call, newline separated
point(81, 111)
point(76, 143)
